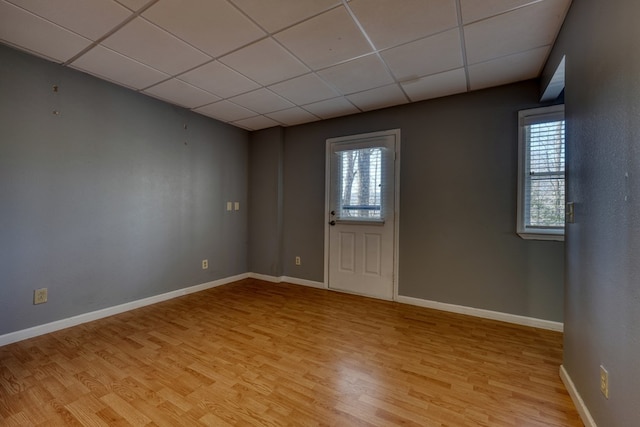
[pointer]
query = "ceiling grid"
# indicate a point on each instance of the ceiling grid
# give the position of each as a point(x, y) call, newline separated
point(257, 64)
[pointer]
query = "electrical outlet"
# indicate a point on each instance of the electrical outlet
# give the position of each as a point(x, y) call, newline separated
point(604, 381)
point(229, 206)
point(298, 261)
point(236, 206)
point(40, 296)
point(205, 264)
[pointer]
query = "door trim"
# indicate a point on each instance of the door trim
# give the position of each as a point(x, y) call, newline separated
point(396, 201)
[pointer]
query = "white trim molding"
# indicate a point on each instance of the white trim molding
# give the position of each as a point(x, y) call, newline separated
point(287, 279)
point(110, 311)
point(485, 314)
point(585, 415)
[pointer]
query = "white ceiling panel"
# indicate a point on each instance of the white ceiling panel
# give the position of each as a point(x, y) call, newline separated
point(474, 10)
point(256, 123)
point(330, 108)
point(437, 85)
point(391, 22)
point(508, 69)
point(274, 15)
point(181, 93)
point(219, 79)
point(134, 5)
point(326, 39)
point(304, 89)
point(225, 111)
point(214, 26)
point(153, 46)
point(89, 18)
point(266, 62)
point(426, 56)
point(293, 116)
point(112, 66)
point(380, 97)
point(255, 63)
point(262, 101)
point(360, 74)
point(506, 34)
point(30, 32)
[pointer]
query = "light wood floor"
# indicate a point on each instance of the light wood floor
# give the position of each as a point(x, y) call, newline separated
point(263, 354)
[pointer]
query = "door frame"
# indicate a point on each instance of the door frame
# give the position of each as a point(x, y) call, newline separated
point(396, 201)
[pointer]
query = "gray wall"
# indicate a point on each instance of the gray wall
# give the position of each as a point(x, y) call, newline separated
point(104, 203)
point(266, 202)
point(457, 203)
point(601, 41)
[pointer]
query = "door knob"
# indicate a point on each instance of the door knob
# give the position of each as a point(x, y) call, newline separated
point(332, 223)
point(333, 213)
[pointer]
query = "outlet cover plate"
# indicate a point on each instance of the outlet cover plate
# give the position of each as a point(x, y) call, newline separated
point(40, 296)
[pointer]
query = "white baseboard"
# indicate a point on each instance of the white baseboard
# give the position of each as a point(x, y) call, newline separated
point(265, 277)
point(110, 311)
point(303, 282)
point(585, 415)
point(485, 314)
point(287, 279)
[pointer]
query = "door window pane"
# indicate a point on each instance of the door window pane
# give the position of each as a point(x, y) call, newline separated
point(360, 183)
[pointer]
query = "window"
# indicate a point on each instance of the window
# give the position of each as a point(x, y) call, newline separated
point(360, 183)
point(541, 204)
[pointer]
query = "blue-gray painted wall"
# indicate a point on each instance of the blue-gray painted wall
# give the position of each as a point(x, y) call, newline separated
point(105, 203)
point(458, 182)
point(601, 41)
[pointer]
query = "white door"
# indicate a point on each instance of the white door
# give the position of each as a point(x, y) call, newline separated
point(361, 213)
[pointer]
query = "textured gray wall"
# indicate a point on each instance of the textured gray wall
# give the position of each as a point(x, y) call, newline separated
point(265, 201)
point(457, 203)
point(601, 41)
point(104, 203)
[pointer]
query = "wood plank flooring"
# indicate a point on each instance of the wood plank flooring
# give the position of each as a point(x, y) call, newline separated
point(254, 353)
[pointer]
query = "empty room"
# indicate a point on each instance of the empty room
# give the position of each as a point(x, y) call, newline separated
point(319, 213)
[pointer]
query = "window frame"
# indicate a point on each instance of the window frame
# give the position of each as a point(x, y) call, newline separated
point(540, 115)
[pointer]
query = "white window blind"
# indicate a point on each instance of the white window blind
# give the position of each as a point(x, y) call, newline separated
point(541, 202)
point(361, 172)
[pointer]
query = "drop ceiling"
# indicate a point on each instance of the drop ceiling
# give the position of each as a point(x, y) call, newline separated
point(262, 63)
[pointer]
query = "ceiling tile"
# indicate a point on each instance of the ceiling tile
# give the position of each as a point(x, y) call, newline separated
point(505, 34)
point(437, 85)
point(262, 101)
point(117, 68)
point(181, 93)
point(225, 111)
point(325, 40)
point(256, 123)
point(377, 98)
point(357, 75)
point(304, 89)
point(474, 10)
point(391, 22)
point(219, 79)
point(331, 108)
point(266, 62)
point(508, 69)
point(426, 56)
point(89, 18)
point(293, 116)
point(134, 4)
point(150, 45)
point(274, 15)
point(214, 26)
point(28, 31)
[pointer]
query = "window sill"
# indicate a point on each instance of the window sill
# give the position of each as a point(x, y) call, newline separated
point(559, 237)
